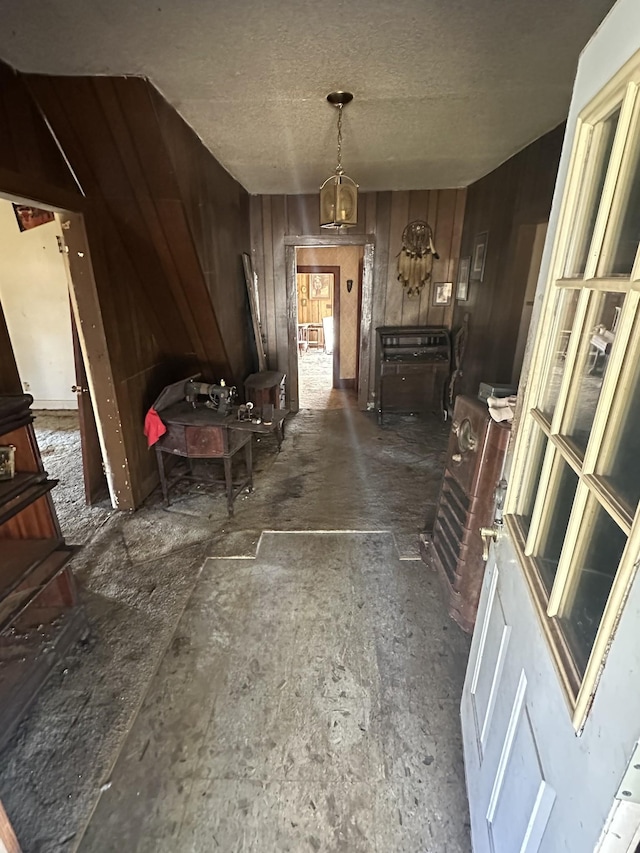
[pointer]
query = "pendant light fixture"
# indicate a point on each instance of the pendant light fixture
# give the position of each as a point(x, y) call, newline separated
point(339, 193)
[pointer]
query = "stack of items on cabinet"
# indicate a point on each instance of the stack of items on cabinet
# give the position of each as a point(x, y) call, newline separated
point(39, 615)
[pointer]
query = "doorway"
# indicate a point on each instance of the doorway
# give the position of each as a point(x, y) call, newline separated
point(318, 335)
point(327, 294)
point(42, 344)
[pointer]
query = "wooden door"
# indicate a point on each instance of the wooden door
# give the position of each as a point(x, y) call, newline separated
point(551, 708)
point(95, 482)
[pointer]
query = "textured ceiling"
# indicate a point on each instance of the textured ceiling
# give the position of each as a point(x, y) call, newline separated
point(445, 90)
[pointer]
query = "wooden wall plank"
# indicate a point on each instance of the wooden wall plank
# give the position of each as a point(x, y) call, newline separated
point(303, 214)
point(517, 193)
point(443, 238)
point(411, 306)
point(257, 256)
point(419, 209)
point(269, 284)
point(395, 290)
point(26, 145)
point(280, 306)
point(381, 261)
point(370, 204)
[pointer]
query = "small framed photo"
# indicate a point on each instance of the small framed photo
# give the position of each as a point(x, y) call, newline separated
point(7, 463)
point(462, 285)
point(442, 292)
point(320, 285)
point(479, 256)
point(31, 217)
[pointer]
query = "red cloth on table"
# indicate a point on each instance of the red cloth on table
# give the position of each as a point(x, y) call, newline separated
point(153, 426)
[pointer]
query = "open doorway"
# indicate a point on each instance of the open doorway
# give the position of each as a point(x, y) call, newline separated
point(43, 342)
point(329, 308)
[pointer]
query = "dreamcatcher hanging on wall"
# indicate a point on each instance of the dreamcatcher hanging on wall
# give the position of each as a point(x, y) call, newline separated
point(415, 259)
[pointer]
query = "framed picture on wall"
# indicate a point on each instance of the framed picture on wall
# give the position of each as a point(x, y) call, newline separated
point(479, 256)
point(31, 217)
point(462, 285)
point(320, 285)
point(442, 292)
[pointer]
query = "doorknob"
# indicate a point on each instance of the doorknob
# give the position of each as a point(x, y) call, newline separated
point(488, 535)
point(77, 389)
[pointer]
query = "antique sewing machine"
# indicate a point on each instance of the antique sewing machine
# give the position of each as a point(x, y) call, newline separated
point(219, 397)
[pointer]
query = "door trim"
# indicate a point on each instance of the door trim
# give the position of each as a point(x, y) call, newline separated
point(365, 333)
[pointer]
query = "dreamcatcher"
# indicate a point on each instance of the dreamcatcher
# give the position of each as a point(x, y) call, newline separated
point(415, 259)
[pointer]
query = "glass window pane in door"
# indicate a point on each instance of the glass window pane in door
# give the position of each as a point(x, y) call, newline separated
point(620, 466)
point(558, 504)
point(598, 563)
point(566, 303)
point(536, 458)
point(591, 193)
point(593, 358)
point(623, 230)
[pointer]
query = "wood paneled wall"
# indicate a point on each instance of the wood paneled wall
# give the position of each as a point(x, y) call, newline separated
point(516, 195)
point(30, 164)
point(383, 215)
point(166, 227)
point(156, 198)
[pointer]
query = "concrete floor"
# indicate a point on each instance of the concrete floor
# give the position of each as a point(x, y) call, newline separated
point(208, 708)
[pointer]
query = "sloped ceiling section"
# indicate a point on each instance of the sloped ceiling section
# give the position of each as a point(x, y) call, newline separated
point(445, 90)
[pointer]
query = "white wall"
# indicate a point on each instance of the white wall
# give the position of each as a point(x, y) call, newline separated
point(35, 300)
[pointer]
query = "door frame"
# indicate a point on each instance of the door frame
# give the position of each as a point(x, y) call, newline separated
point(95, 481)
point(302, 269)
point(365, 331)
point(88, 316)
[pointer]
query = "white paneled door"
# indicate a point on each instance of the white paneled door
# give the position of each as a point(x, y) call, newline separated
point(551, 704)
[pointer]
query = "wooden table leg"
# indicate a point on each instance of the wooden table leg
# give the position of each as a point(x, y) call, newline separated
point(229, 483)
point(163, 476)
point(248, 458)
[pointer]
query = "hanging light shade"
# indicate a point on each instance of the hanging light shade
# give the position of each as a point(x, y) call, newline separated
point(339, 193)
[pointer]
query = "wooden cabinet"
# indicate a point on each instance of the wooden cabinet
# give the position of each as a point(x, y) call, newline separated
point(266, 388)
point(412, 367)
point(475, 460)
point(39, 618)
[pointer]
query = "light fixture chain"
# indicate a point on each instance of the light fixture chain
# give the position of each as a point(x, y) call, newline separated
point(339, 169)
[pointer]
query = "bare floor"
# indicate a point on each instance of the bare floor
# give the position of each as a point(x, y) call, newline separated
point(298, 696)
point(315, 382)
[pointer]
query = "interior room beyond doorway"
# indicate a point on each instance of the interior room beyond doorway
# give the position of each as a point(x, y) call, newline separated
point(329, 297)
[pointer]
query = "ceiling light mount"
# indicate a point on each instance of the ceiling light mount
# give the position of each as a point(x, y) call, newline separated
point(339, 193)
point(339, 99)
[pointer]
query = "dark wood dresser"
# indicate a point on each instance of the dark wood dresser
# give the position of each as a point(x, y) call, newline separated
point(412, 367)
point(475, 460)
point(39, 614)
